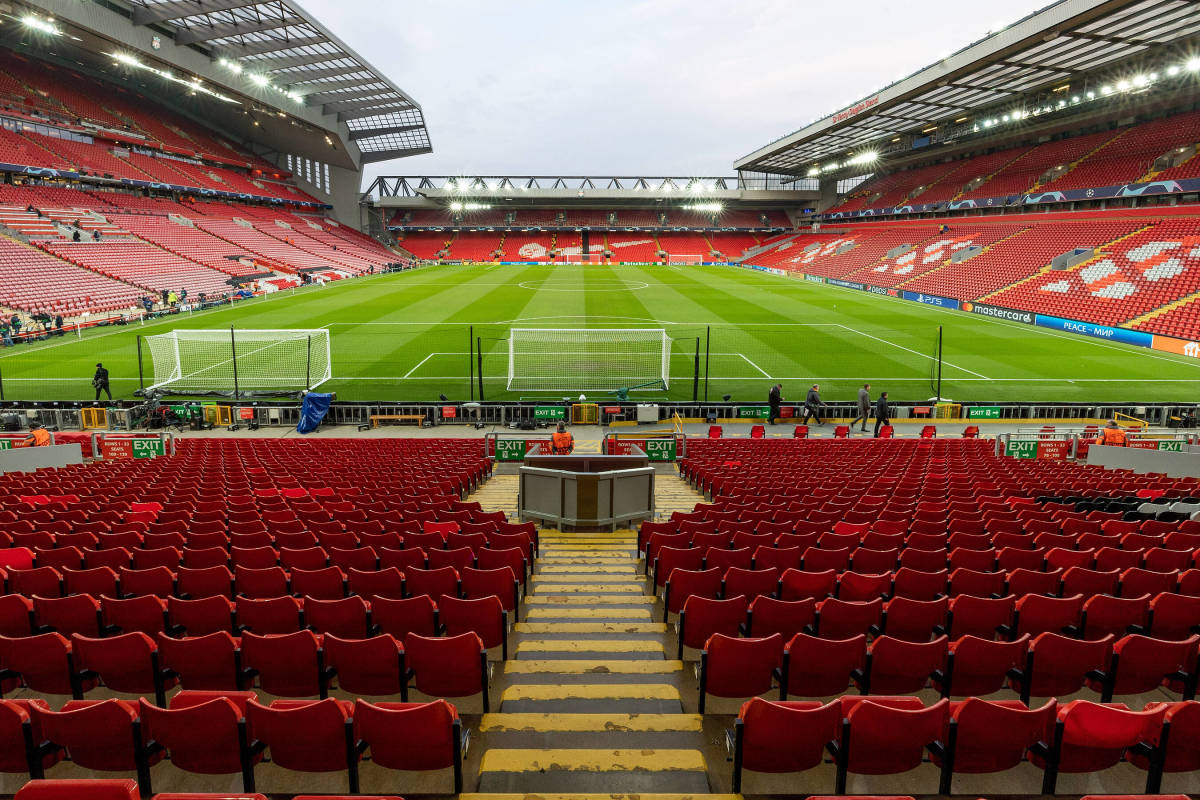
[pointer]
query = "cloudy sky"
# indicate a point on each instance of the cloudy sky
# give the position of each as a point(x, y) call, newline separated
point(651, 87)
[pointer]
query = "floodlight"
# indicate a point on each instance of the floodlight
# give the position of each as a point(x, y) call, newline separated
point(39, 24)
point(1140, 80)
point(1106, 90)
point(1172, 70)
point(1091, 95)
point(235, 67)
point(456, 206)
point(814, 171)
point(1193, 65)
point(259, 80)
point(127, 59)
point(1122, 86)
point(293, 96)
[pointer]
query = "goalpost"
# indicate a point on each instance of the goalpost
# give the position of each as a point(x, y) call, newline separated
point(676, 258)
point(596, 257)
point(238, 362)
point(587, 359)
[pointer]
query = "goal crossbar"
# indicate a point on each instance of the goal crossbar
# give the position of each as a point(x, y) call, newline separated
point(587, 359)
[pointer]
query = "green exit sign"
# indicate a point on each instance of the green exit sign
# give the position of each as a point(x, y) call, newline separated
point(660, 449)
point(983, 412)
point(751, 411)
point(549, 412)
point(1021, 449)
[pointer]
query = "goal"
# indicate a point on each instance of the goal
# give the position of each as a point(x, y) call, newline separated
point(239, 362)
point(596, 257)
point(587, 359)
point(677, 258)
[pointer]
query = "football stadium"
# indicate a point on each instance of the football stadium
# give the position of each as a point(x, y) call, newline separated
point(865, 463)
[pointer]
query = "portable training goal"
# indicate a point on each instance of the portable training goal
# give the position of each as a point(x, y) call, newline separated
point(237, 362)
point(587, 359)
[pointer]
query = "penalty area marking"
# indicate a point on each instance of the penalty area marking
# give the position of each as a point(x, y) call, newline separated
point(915, 352)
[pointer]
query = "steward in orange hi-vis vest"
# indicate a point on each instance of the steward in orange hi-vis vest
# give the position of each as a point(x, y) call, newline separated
point(1112, 435)
point(562, 441)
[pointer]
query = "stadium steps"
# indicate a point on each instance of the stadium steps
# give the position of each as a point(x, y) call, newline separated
point(1081, 159)
point(949, 263)
point(590, 701)
point(1101, 252)
point(674, 495)
point(994, 173)
point(938, 181)
point(1158, 312)
point(499, 493)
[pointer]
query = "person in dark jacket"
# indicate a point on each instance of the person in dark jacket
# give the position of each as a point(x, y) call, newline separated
point(882, 414)
point(864, 407)
point(774, 398)
point(812, 405)
point(100, 381)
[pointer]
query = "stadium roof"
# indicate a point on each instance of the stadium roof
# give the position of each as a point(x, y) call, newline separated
point(286, 46)
point(1056, 44)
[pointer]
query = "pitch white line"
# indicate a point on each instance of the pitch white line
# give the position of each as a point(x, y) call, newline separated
point(809, 378)
point(751, 363)
point(418, 366)
point(914, 352)
point(1144, 352)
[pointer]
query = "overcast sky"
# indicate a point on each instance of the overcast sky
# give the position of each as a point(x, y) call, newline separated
point(650, 87)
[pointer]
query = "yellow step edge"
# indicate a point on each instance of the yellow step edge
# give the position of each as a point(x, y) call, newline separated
point(588, 599)
point(541, 614)
point(590, 627)
point(538, 723)
point(590, 646)
point(629, 582)
point(586, 569)
point(589, 666)
point(583, 588)
point(647, 796)
point(591, 691)
point(592, 761)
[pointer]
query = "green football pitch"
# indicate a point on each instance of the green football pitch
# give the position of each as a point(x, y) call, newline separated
point(407, 336)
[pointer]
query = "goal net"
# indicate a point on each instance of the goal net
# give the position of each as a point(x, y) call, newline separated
point(587, 359)
point(239, 362)
point(676, 258)
point(583, 258)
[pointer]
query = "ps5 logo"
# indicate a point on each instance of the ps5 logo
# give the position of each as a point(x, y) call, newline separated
point(1191, 349)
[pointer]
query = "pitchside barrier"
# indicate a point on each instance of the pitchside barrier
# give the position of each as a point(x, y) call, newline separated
point(1058, 445)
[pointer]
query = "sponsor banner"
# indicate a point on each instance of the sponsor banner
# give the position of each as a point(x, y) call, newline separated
point(1183, 347)
point(930, 299)
point(880, 290)
point(1140, 338)
point(1108, 192)
point(983, 412)
point(980, 202)
point(814, 278)
point(846, 284)
point(999, 312)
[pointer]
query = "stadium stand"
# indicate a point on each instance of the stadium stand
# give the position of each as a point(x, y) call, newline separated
point(141, 264)
point(36, 281)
